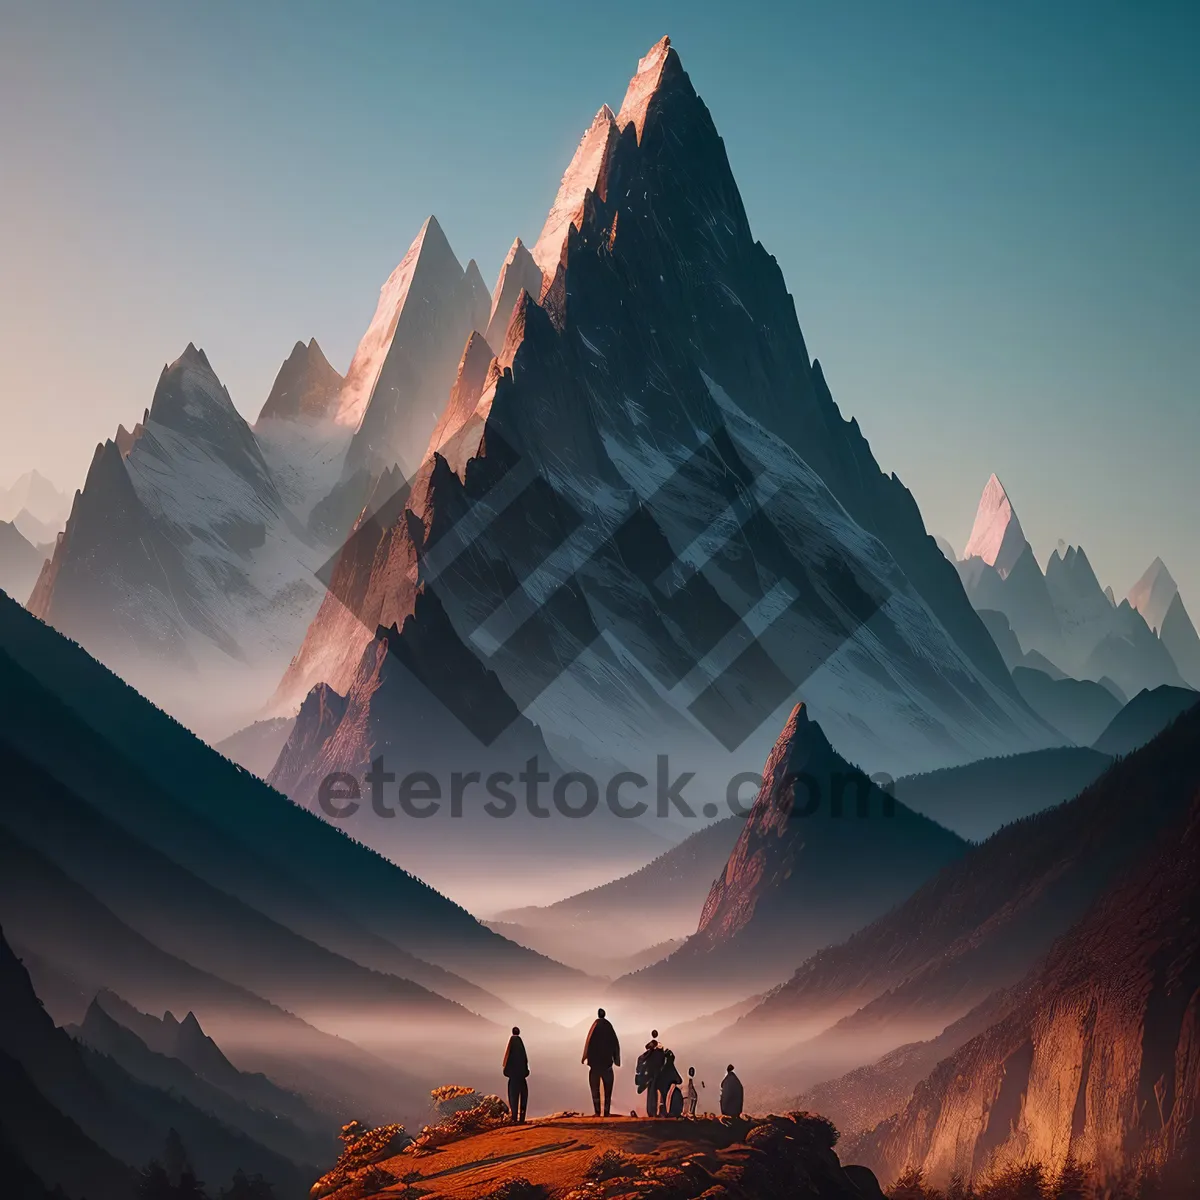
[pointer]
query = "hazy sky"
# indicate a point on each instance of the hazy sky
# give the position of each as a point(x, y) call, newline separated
point(987, 213)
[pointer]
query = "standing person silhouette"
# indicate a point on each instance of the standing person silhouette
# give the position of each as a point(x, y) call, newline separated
point(516, 1071)
point(732, 1096)
point(601, 1052)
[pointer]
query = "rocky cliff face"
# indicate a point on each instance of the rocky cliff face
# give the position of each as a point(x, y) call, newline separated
point(1100, 1060)
point(655, 524)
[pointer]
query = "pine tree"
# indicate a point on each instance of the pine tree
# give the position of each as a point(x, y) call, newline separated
point(175, 1157)
point(245, 1187)
point(189, 1187)
point(154, 1183)
point(1072, 1181)
point(960, 1189)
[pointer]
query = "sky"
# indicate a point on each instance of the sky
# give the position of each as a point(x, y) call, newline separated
point(986, 214)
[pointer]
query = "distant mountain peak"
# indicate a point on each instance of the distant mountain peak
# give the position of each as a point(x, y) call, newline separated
point(996, 536)
point(306, 385)
point(1153, 593)
point(193, 355)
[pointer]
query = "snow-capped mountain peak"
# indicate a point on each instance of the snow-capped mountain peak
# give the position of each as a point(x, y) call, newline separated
point(997, 536)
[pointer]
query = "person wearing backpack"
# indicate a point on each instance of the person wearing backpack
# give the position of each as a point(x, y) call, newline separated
point(649, 1066)
point(669, 1081)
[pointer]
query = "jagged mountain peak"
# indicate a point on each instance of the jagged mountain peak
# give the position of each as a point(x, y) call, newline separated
point(519, 272)
point(430, 257)
point(306, 385)
point(468, 387)
point(189, 391)
point(996, 536)
point(1075, 566)
point(193, 355)
point(473, 276)
point(1153, 593)
point(586, 173)
point(659, 64)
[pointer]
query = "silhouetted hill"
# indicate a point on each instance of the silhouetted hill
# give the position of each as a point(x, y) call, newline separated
point(1144, 717)
point(126, 1118)
point(78, 936)
point(661, 900)
point(1078, 708)
point(343, 876)
point(977, 799)
point(304, 1147)
point(37, 725)
point(257, 746)
point(189, 918)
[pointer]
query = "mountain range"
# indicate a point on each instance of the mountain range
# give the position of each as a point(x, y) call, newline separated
point(36, 505)
point(595, 531)
point(20, 562)
point(181, 565)
point(641, 527)
point(1063, 616)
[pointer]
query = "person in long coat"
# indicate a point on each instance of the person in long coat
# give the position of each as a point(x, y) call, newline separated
point(732, 1095)
point(516, 1071)
point(601, 1052)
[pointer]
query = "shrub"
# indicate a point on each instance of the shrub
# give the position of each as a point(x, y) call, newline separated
point(815, 1130)
point(453, 1098)
point(1026, 1182)
point(612, 1164)
point(490, 1112)
point(912, 1186)
point(364, 1147)
point(517, 1189)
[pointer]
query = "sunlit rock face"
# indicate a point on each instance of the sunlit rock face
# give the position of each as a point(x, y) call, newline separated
point(1101, 1058)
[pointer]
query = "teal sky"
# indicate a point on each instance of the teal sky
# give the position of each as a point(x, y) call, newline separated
point(987, 213)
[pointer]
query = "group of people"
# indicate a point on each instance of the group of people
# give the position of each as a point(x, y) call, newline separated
point(668, 1094)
